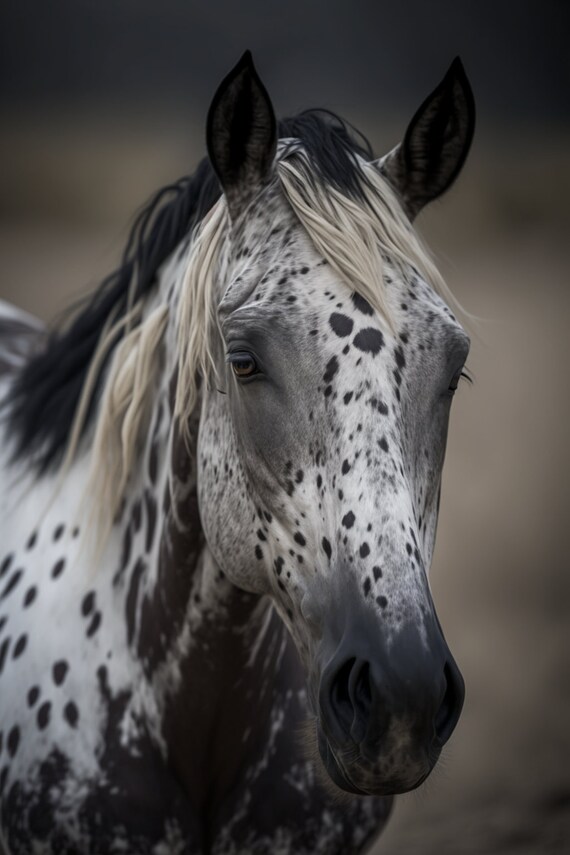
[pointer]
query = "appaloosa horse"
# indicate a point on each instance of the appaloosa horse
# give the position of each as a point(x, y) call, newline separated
point(220, 483)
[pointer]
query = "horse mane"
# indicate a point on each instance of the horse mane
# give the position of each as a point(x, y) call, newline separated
point(347, 207)
point(46, 393)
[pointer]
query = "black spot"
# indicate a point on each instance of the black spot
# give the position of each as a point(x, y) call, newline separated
point(136, 515)
point(13, 740)
point(364, 550)
point(341, 324)
point(327, 548)
point(258, 552)
point(348, 520)
point(128, 543)
point(153, 463)
point(362, 305)
point(400, 358)
point(57, 568)
point(383, 443)
point(20, 646)
point(131, 603)
point(369, 340)
point(331, 369)
point(11, 584)
point(382, 602)
point(377, 573)
point(32, 540)
point(299, 476)
point(43, 715)
point(30, 596)
point(71, 714)
point(379, 405)
point(328, 391)
point(409, 548)
point(150, 505)
point(367, 585)
point(278, 564)
point(88, 603)
point(4, 652)
point(3, 622)
point(59, 672)
point(33, 695)
point(94, 625)
point(260, 534)
point(58, 531)
point(267, 516)
point(4, 567)
point(345, 467)
point(298, 538)
point(348, 397)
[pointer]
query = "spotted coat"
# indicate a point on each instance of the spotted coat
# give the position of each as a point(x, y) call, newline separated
point(167, 700)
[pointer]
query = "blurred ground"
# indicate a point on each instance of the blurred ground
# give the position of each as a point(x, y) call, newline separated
point(500, 574)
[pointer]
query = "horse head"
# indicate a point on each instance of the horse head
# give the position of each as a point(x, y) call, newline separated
point(324, 424)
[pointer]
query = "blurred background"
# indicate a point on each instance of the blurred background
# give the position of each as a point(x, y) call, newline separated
point(103, 102)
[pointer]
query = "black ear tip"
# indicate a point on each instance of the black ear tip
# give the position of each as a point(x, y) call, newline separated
point(457, 72)
point(246, 61)
point(458, 75)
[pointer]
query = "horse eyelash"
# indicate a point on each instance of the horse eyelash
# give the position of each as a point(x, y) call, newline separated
point(466, 375)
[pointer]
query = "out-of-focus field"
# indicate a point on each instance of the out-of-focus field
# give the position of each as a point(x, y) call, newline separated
point(500, 575)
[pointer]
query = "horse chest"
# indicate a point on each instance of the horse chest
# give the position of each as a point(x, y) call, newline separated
point(282, 807)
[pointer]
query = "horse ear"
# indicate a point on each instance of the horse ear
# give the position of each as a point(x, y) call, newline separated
point(241, 134)
point(436, 143)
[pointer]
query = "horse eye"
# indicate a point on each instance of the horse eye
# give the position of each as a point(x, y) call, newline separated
point(455, 382)
point(244, 365)
point(456, 378)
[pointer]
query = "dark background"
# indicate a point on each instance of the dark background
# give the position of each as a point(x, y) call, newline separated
point(142, 52)
point(103, 102)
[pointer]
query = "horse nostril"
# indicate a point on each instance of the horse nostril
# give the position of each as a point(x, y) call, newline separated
point(361, 690)
point(340, 696)
point(361, 695)
point(448, 714)
point(351, 698)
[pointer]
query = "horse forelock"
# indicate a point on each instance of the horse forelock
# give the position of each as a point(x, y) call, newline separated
point(355, 232)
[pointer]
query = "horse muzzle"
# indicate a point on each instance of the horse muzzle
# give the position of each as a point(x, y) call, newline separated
point(386, 707)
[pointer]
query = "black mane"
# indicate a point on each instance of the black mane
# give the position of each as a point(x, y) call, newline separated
point(46, 393)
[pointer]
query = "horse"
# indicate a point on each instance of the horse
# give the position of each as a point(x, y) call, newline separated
point(220, 487)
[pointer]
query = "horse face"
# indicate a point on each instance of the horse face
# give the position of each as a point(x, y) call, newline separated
point(319, 482)
point(320, 457)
